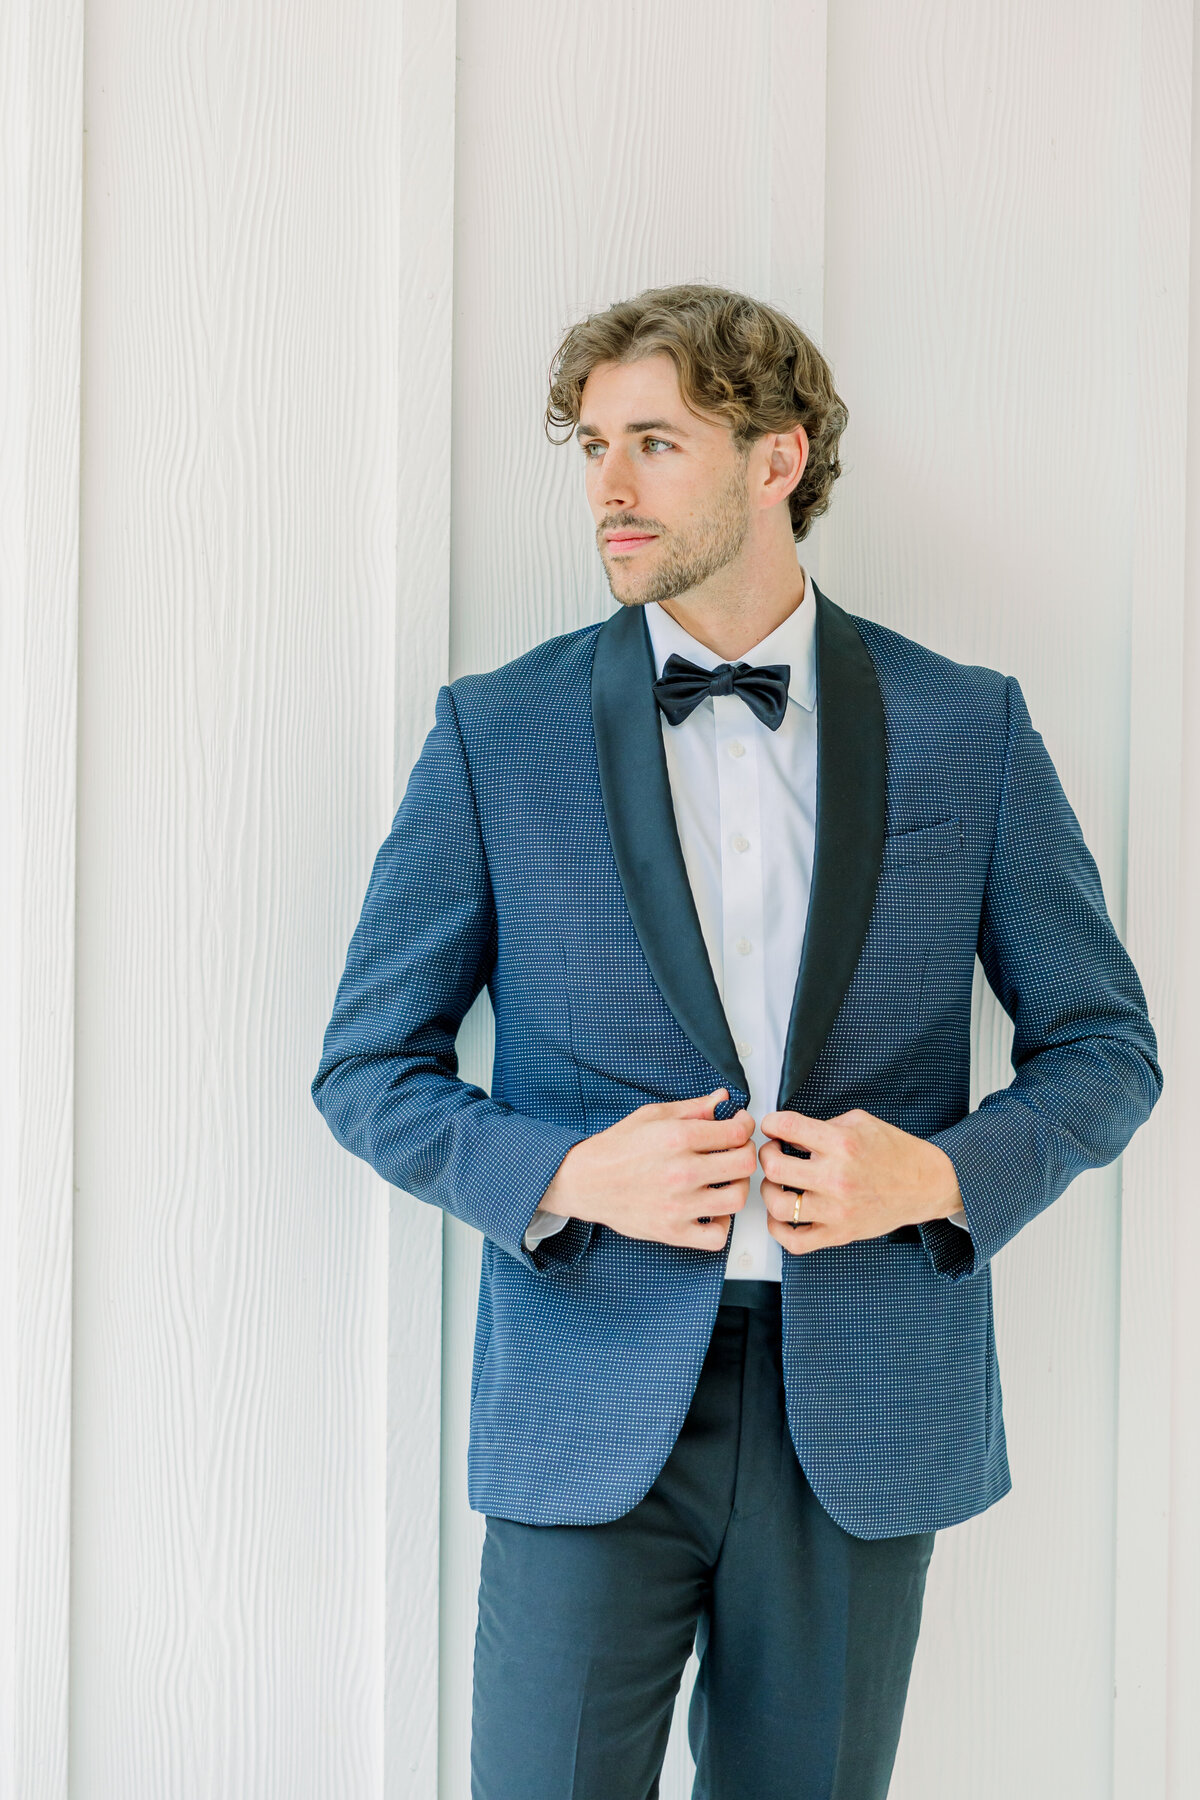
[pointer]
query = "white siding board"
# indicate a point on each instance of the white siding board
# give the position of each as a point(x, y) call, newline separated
point(238, 743)
point(980, 310)
point(1158, 358)
point(795, 163)
point(41, 59)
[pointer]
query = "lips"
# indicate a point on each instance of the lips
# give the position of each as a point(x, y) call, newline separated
point(628, 540)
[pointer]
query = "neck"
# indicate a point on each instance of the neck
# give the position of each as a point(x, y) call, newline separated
point(730, 626)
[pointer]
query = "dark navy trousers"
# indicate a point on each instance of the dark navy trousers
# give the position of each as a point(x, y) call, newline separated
point(805, 1634)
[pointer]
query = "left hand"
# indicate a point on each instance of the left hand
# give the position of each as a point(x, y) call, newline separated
point(862, 1179)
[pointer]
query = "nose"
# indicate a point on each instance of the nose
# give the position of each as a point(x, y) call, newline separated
point(615, 490)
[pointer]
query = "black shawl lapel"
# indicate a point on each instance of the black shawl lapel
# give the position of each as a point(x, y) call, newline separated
point(645, 841)
point(851, 794)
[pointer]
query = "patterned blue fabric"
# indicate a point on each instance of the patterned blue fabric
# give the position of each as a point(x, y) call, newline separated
point(499, 870)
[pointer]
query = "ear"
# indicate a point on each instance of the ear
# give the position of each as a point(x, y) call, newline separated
point(787, 457)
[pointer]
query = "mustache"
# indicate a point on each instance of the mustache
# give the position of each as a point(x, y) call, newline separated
point(627, 522)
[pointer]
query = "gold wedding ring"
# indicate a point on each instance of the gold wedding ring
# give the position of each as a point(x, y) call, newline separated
point(796, 1208)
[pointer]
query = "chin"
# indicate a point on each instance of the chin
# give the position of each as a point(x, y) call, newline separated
point(619, 583)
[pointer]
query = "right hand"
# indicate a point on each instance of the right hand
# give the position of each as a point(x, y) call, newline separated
point(650, 1174)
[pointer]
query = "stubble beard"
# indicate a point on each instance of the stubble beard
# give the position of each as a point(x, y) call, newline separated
point(683, 563)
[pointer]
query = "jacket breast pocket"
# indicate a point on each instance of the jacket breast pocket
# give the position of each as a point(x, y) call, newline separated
point(925, 844)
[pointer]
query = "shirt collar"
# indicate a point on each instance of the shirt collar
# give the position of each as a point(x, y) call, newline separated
point(793, 641)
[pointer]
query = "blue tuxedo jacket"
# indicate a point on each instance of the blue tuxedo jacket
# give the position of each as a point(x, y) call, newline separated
point(535, 851)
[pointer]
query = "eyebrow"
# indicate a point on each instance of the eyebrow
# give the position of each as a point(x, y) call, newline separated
point(582, 430)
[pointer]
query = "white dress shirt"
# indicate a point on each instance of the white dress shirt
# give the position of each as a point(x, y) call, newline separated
point(749, 862)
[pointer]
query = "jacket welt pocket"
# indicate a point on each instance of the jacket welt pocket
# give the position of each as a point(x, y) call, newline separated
point(926, 844)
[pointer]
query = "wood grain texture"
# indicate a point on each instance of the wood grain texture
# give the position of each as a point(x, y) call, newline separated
point(597, 155)
point(1160, 257)
point(795, 245)
point(242, 409)
point(981, 315)
point(41, 56)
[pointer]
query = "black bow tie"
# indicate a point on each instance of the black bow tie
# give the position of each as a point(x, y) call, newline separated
point(682, 686)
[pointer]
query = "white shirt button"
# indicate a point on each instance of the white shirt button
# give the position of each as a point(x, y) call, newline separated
point(737, 748)
point(744, 1260)
point(740, 842)
point(744, 946)
point(743, 1048)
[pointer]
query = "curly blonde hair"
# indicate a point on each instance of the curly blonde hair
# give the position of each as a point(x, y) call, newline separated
point(738, 360)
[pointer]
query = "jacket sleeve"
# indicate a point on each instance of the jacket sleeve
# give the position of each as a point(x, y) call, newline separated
point(1084, 1051)
point(388, 1084)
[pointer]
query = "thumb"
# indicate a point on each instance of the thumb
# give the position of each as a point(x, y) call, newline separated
point(703, 1106)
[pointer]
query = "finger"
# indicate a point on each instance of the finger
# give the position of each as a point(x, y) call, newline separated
point(798, 1128)
point(700, 1106)
point(794, 1171)
point(718, 1134)
point(696, 1106)
point(800, 1240)
point(709, 1236)
point(781, 1205)
point(731, 1194)
point(722, 1165)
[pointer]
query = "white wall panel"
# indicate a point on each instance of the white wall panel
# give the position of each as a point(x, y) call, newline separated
point(986, 311)
point(599, 153)
point(242, 411)
point(980, 314)
point(1143, 1730)
point(41, 62)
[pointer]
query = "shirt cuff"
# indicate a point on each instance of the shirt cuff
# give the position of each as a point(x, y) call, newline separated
point(542, 1225)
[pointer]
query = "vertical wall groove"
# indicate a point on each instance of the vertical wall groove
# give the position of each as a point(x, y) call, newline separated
point(425, 184)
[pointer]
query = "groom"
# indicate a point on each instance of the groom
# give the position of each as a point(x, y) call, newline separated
point(724, 864)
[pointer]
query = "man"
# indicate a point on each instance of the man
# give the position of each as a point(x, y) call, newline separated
point(724, 864)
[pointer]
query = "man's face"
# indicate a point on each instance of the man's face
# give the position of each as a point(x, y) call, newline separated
point(668, 491)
